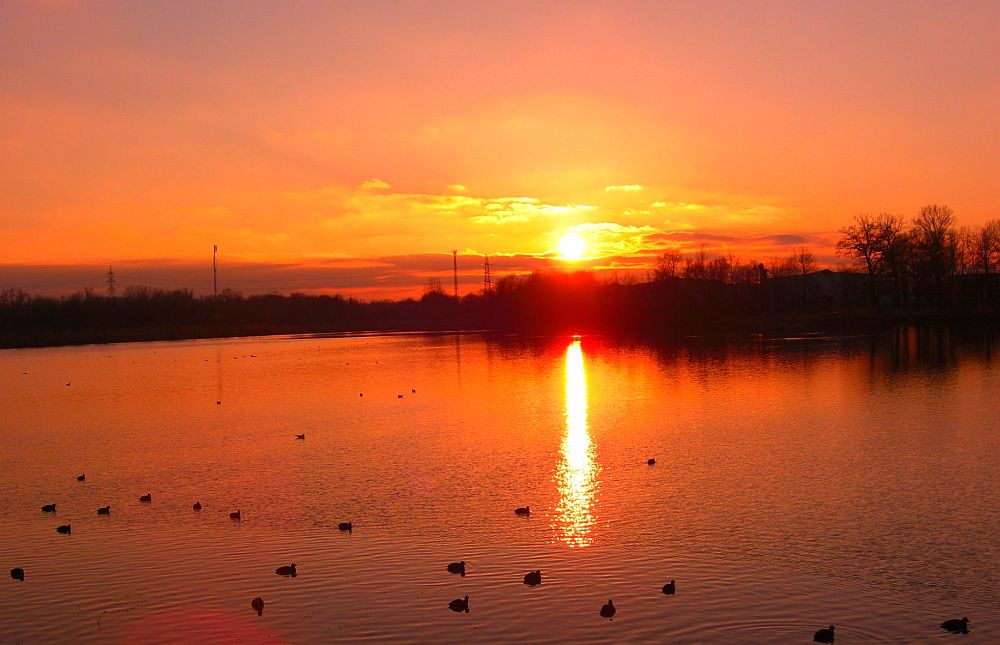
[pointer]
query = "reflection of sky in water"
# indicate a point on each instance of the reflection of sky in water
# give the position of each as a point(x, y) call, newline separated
point(577, 473)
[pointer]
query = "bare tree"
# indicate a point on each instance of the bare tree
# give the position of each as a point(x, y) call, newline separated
point(934, 244)
point(985, 243)
point(666, 265)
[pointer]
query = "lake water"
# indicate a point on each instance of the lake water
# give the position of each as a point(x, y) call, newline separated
point(798, 482)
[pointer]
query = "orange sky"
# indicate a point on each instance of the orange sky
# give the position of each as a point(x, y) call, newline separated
point(315, 141)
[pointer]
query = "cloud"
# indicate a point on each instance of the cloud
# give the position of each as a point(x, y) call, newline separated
point(374, 184)
point(626, 188)
point(457, 188)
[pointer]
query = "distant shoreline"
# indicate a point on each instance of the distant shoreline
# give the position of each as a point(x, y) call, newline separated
point(777, 325)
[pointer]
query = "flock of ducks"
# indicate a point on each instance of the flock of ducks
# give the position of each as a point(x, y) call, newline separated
point(459, 605)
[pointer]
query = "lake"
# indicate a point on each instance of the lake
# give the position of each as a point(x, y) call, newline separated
point(799, 482)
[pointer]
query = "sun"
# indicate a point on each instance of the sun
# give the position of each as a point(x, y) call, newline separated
point(571, 247)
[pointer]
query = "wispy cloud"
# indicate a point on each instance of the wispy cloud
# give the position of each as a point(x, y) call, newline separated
point(624, 188)
point(375, 184)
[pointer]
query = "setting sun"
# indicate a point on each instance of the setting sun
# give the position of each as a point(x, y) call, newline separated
point(571, 247)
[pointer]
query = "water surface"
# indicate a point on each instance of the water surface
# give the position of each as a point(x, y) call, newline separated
point(799, 482)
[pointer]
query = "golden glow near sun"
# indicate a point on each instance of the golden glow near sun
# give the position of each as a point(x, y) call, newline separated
point(571, 247)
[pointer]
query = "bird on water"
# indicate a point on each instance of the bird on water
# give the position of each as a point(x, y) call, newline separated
point(457, 567)
point(608, 610)
point(824, 635)
point(346, 526)
point(258, 605)
point(17, 573)
point(236, 515)
point(301, 436)
point(669, 588)
point(81, 478)
point(104, 510)
point(148, 497)
point(651, 461)
point(956, 625)
point(65, 529)
point(459, 604)
point(287, 571)
point(523, 510)
point(49, 508)
point(196, 506)
point(533, 578)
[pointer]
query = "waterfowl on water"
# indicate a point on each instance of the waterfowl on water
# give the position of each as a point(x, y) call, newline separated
point(669, 588)
point(65, 529)
point(17, 573)
point(196, 506)
point(399, 396)
point(104, 510)
point(258, 605)
point(80, 478)
point(651, 461)
point(148, 497)
point(459, 604)
point(236, 515)
point(49, 508)
point(608, 610)
point(346, 526)
point(533, 578)
point(413, 391)
point(287, 571)
point(824, 635)
point(457, 567)
point(301, 436)
point(523, 510)
point(956, 625)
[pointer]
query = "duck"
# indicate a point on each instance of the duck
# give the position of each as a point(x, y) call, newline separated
point(81, 478)
point(104, 510)
point(413, 391)
point(258, 605)
point(301, 436)
point(608, 610)
point(287, 571)
point(459, 604)
point(956, 625)
point(651, 461)
point(669, 588)
point(49, 508)
point(523, 510)
point(399, 396)
point(236, 515)
point(196, 506)
point(148, 497)
point(824, 635)
point(346, 526)
point(457, 567)
point(533, 578)
point(17, 573)
point(65, 529)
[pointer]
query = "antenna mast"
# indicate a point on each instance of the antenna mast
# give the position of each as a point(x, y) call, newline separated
point(111, 282)
point(454, 259)
point(215, 272)
point(487, 282)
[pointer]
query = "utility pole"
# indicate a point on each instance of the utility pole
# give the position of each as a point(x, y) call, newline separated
point(487, 282)
point(454, 259)
point(215, 272)
point(111, 282)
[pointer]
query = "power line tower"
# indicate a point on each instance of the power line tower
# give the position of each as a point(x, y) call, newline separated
point(454, 261)
point(111, 282)
point(215, 272)
point(487, 281)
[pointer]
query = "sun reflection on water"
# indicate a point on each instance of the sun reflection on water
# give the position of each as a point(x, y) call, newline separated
point(577, 474)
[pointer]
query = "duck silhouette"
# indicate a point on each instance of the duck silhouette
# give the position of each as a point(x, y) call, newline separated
point(457, 567)
point(148, 497)
point(81, 478)
point(65, 529)
point(608, 610)
point(49, 508)
point(17, 573)
point(824, 635)
point(956, 625)
point(533, 578)
point(301, 436)
point(459, 604)
point(651, 461)
point(522, 510)
point(236, 515)
point(196, 506)
point(346, 526)
point(287, 571)
point(669, 588)
point(258, 605)
point(104, 510)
